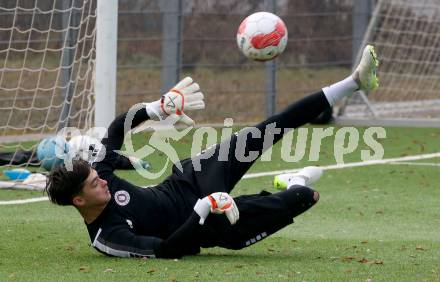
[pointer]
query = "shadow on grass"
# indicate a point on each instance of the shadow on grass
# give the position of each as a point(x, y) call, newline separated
point(258, 256)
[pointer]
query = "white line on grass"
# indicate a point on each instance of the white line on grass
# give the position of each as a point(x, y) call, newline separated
point(26, 201)
point(269, 173)
point(420, 164)
point(356, 164)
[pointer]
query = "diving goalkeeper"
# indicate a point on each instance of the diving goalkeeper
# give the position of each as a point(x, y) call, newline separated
point(192, 209)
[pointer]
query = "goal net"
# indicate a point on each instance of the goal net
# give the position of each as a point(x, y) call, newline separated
point(47, 55)
point(406, 35)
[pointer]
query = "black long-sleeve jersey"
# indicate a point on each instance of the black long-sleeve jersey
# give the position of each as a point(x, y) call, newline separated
point(143, 222)
point(160, 221)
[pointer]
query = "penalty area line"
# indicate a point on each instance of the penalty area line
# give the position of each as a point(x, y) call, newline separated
point(416, 164)
point(25, 201)
point(348, 165)
point(276, 172)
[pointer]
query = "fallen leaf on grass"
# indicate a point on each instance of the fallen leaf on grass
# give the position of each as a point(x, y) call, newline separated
point(109, 270)
point(259, 273)
point(376, 261)
point(84, 269)
point(347, 259)
point(420, 248)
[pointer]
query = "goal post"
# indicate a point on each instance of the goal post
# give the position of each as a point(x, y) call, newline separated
point(106, 50)
point(406, 35)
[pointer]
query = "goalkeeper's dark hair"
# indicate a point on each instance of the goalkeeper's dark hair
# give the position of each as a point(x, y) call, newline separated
point(63, 184)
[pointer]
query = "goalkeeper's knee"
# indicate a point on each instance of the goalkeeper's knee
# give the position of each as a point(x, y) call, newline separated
point(299, 198)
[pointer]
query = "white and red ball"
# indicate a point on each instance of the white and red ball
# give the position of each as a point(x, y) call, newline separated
point(262, 36)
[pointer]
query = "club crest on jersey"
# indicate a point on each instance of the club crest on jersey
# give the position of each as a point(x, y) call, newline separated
point(122, 197)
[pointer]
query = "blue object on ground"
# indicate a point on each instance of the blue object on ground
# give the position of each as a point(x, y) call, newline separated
point(17, 174)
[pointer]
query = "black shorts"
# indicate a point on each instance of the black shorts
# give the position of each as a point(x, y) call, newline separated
point(260, 216)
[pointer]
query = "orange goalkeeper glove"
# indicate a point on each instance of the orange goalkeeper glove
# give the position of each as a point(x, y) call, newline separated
point(185, 96)
point(218, 203)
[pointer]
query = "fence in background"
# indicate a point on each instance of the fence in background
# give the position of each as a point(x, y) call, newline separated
point(159, 41)
point(323, 40)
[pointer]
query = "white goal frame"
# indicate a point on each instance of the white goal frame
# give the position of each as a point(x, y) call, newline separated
point(106, 56)
point(360, 109)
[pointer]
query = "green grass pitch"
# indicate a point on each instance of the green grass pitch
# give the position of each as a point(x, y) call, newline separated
point(373, 223)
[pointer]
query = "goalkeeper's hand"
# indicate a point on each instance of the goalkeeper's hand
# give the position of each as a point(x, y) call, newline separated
point(219, 203)
point(185, 96)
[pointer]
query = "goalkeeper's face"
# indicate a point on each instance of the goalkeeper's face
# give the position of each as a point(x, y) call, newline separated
point(94, 193)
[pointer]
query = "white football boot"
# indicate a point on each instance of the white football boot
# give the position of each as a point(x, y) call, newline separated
point(365, 73)
point(310, 174)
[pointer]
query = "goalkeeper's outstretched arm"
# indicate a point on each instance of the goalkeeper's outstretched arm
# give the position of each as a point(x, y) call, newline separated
point(114, 140)
point(184, 96)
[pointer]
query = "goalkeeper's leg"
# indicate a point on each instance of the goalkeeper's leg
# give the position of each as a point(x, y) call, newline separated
point(260, 216)
point(220, 169)
point(295, 115)
point(223, 169)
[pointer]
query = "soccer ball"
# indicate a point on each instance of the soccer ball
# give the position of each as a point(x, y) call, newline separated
point(262, 36)
point(52, 151)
